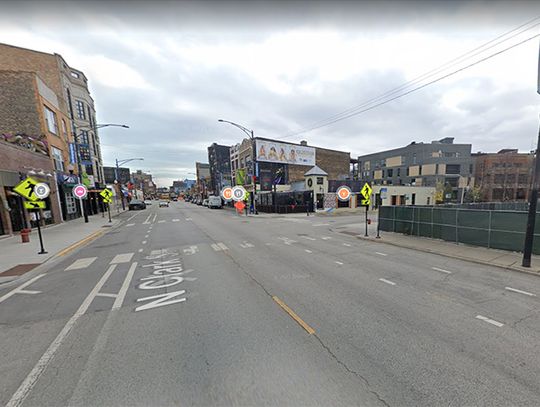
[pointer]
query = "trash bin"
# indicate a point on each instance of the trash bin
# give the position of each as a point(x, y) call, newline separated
point(25, 235)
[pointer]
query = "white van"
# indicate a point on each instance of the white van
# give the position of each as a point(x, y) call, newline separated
point(214, 202)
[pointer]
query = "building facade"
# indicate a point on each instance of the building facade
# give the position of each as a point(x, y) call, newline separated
point(441, 164)
point(109, 175)
point(504, 176)
point(203, 179)
point(219, 160)
point(143, 181)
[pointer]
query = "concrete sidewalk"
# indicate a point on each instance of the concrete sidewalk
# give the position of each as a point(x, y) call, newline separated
point(57, 240)
point(493, 257)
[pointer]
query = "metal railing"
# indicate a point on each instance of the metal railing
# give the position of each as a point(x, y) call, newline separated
point(487, 228)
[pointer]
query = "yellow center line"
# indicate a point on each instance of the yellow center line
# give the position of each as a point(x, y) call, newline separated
point(293, 315)
point(80, 243)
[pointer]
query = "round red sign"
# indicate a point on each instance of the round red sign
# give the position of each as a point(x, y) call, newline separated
point(344, 193)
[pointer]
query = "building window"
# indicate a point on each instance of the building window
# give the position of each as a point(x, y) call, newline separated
point(523, 179)
point(84, 137)
point(399, 172)
point(71, 206)
point(81, 114)
point(453, 182)
point(89, 169)
point(470, 168)
point(84, 153)
point(320, 180)
point(436, 168)
point(50, 118)
point(58, 159)
point(74, 74)
point(390, 173)
point(419, 170)
point(64, 129)
point(453, 168)
point(414, 158)
point(498, 179)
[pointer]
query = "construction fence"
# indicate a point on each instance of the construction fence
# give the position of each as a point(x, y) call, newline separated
point(496, 229)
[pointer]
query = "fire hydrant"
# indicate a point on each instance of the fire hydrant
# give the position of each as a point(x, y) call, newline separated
point(25, 235)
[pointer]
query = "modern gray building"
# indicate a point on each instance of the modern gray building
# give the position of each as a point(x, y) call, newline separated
point(219, 160)
point(440, 163)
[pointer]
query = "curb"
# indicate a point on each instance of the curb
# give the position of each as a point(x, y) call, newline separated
point(452, 256)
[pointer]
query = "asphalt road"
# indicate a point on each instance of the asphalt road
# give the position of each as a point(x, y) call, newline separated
point(191, 306)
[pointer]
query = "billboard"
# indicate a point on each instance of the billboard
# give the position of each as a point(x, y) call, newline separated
point(274, 152)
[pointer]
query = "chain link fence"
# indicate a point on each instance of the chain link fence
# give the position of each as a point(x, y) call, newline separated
point(495, 229)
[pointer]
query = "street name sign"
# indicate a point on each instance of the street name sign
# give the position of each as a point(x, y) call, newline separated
point(25, 188)
point(344, 193)
point(80, 191)
point(34, 205)
point(42, 190)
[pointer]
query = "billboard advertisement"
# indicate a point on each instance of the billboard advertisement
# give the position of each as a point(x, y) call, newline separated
point(274, 152)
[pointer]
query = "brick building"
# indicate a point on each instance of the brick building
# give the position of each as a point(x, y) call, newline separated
point(69, 109)
point(219, 160)
point(504, 176)
point(32, 143)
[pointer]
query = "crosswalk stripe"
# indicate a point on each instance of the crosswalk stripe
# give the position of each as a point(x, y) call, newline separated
point(130, 224)
point(176, 220)
point(326, 238)
point(216, 247)
point(223, 247)
point(122, 258)
point(81, 263)
point(161, 221)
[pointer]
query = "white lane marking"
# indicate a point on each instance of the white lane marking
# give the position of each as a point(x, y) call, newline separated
point(147, 221)
point(286, 240)
point(268, 244)
point(130, 224)
point(131, 217)
point(246, 245)
point(387, 281)
point(161, 221)
point(215, 247)
point(28, 292)
point(191, 250)
point(81, 263)
point(340, 263)
point(520, 291)
point(140, 250)
point(122, 258)
point(381, 254)
point(223, 247)
point(489, 321)
point(176, 220)
point(309, 238)
point(16, 290)
point(347, 244)
point(125, 285)
point(441, 270)
point(146, 235)
point(108, 295)
point(326, 238)
point(30, 380)
point(188, 218)
point(155, 217)
point(143, 242)
point(308, 251)
point(161, 300)
point(321, 224)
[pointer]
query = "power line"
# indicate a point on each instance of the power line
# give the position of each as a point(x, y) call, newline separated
point(420, 87)
point(482, 48)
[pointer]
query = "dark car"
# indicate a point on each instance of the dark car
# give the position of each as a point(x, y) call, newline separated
point(136, 204)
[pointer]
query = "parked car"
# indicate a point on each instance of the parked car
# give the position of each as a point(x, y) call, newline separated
point(136, 204)
point(148, 202)
point(175, 199)
point(164, 204)
point(214, 202)
point(199, 201)
point(205, 202)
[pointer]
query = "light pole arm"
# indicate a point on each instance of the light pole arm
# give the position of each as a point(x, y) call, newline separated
point(244, 129)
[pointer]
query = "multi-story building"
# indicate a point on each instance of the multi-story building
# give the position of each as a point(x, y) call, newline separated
point(203, 179)
point(144, 182)
point(441, 164)
point(219, 160)
point(32, 143)
point(283, 163)
point(504, 176)
point(109, 175)
point(69, 109)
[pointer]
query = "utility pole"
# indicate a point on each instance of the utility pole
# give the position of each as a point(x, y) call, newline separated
point(533, 200)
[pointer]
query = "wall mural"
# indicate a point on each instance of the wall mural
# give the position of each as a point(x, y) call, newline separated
point(37, 144)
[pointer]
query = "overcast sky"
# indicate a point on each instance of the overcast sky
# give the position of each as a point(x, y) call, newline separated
point(170, 69)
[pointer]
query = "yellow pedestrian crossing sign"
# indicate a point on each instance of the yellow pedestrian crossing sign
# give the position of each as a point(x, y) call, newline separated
point(106, 194)
point(366, 193)
point(25, 188)
point(34, 205)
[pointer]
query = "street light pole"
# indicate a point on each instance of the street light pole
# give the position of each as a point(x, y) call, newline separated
point(116, 171)
point(254, 150)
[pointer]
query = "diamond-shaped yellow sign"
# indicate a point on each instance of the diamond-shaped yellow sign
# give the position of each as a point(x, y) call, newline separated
point(25, 189)
point(106, 194)
point(366, 191)
point(366, 202)
point(107, 200)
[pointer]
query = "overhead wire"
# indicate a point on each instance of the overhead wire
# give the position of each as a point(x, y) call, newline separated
point(467, 56)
